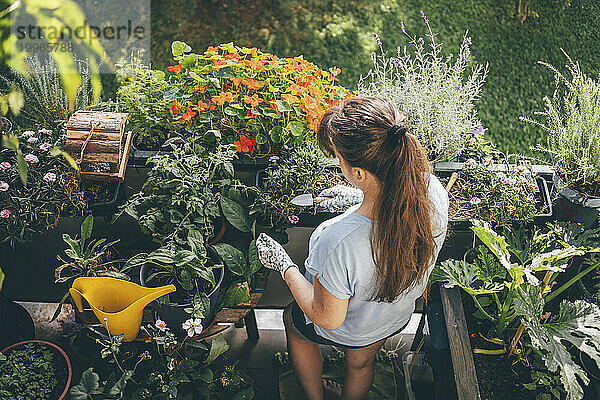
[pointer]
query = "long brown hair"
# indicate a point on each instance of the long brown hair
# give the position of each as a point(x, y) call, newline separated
point(402, 241)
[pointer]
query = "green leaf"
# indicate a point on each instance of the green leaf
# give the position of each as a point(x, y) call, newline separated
point(86, 229)
point(236, 295)
point(245, 394)
point(496, 243)
point(22, 167)
point(196, 241)
point(577, 323)
point(73, 243)
point(162, 255)
point(218, 346)
point(453, 273)
point(281, 106)
point(197, 77)
point(178, 48)
point(234, 258)
point(203, 374)
point(11, 142)
point(261, 139)
point(58, 307)
point(1, 279)
point(119, 385)
point(172, 93)
point(235, 214)
point(253, 258)
point(215, 82)
point(87, 386)
point(297, 128)
point(275, 134)
point(134, 261)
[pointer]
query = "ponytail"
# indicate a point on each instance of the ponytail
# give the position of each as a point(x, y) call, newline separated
point(369, 133)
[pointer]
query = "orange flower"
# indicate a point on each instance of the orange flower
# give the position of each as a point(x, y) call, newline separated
point(212, 49)
point(335, 71)
point(255, 64)
point(231, 56)
point(288, 98)
point(202, 106)
point(219, 62)
point(250, 114)
point(252, 100)
point(176, 68)
point(187, 115)
point(273, 106)
point(253, 84)
point(255, 52)
point(200, 88)
point(236, 79)
point(295, 89)
point(212, 106)
point(223, 98)
point(244, 145)
point(175, 106)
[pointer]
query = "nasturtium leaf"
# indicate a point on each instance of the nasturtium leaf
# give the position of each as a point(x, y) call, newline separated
point(275, 133)
point(178, 48)
point(172, 93)
point(87, 386)
point(261, 139)
point(297, 128)
point(282, 106)
point(119, 385)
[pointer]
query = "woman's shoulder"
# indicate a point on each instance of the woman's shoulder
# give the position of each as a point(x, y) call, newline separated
point(352, 229)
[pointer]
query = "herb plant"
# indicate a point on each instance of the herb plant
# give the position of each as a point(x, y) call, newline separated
point(255, 100)
point(511, 278)
point(433, 90)
point(572, 120)
point(28, 372)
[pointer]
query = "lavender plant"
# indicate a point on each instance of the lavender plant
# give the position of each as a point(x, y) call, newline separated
point(435, 92)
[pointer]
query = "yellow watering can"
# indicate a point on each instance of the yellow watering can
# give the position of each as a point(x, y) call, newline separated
point(118, 304)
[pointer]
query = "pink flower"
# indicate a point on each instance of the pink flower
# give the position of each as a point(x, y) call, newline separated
point(3, 186)
point(475, 200)
point(32, 140)
point(273, 158)
point(488, 161)
point(522, 179)
point(30, 158)
point(533, 186)
point(45, 146)
point(28, 133)
point(4, 165)
point(510, 181)
point(50, 177)
point(5, 213)
point(470, 161)
point(502, 175)
point(293, 219)
point(285, 146)
point(45, 131)
point(525, 172)
point(515, 189)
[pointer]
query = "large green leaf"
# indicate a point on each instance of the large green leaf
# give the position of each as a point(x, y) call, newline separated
point(217, 347)
point(86, 229)
point(236, 294)
point(554, 260)
point(453, 273)
point(234, 258)
point(119, 385)
point(253, 257)
point(196, 242)
point(496, 243)
point(87, 386)
point(577, 323)
point(236, 214)
point(178, 48)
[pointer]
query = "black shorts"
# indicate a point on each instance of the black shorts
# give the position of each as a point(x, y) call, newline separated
point(308, 330)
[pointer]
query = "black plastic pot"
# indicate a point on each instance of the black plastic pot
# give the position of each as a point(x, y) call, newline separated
point(574, 206)
point(16, 323)
point(110, 206)
point(174, 314)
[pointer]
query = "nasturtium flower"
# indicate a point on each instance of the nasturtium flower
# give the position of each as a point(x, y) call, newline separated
point(199, 88)
point(176, 68)
point(245, 144)
point(224, 97)
point(201, 106)
point(219, 62)
point(175, 106)
point(253, 100)
point(187, 115)
point(288, 98)
point(236, 79)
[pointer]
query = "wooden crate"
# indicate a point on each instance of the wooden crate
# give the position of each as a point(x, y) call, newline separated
point(96, 140)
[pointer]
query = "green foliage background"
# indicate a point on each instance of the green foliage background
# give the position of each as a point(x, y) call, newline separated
point(340, 33)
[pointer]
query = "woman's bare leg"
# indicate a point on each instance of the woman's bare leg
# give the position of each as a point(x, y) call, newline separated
point(306, 359)
point(359, 371)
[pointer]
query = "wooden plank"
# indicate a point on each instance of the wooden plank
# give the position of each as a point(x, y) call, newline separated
point(101, 135)
point(125, 156)
point(465, 376)
point(101, 121)
point(108, 148)
point(231, 315)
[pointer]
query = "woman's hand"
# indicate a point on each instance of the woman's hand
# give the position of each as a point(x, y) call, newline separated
point(272, 255)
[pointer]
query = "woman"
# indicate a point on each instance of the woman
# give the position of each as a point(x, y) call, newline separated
point(366, 267)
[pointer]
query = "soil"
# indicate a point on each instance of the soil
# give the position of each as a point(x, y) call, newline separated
point(98, 191)
point(497, 378)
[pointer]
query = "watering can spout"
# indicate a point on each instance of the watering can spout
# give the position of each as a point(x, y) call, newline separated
point(118, 304)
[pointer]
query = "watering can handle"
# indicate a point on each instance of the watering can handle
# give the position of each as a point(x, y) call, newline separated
point(77, 298)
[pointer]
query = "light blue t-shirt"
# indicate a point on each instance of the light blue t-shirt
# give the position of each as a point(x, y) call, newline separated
point(340, 257)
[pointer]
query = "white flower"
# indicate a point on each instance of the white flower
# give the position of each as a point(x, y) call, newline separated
point(160, 324)
point(50, 177)
point(3, 186)
point(30, 158)
point(45, 131)
point(192, 326)
point(28, 133)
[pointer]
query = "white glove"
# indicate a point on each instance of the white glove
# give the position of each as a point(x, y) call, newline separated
point(272, 255)
point(342, 197)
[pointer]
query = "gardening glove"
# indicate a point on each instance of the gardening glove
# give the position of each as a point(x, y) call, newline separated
point(272, 255)
point(341, 197)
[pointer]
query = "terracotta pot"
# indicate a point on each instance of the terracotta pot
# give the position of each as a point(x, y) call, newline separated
point(60, 351)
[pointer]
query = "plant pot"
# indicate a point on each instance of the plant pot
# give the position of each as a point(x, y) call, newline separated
point(574, 206)
point(63, 369)
point(174, 314)
point(16, 323)
point(106, 208)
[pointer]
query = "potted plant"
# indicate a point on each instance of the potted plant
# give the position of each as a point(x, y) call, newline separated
point(243, 96)
point(433, 90)
point(571, 120)
point(513, 322)
point(34, 369)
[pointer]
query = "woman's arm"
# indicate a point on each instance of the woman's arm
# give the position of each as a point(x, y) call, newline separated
point(320, 306)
